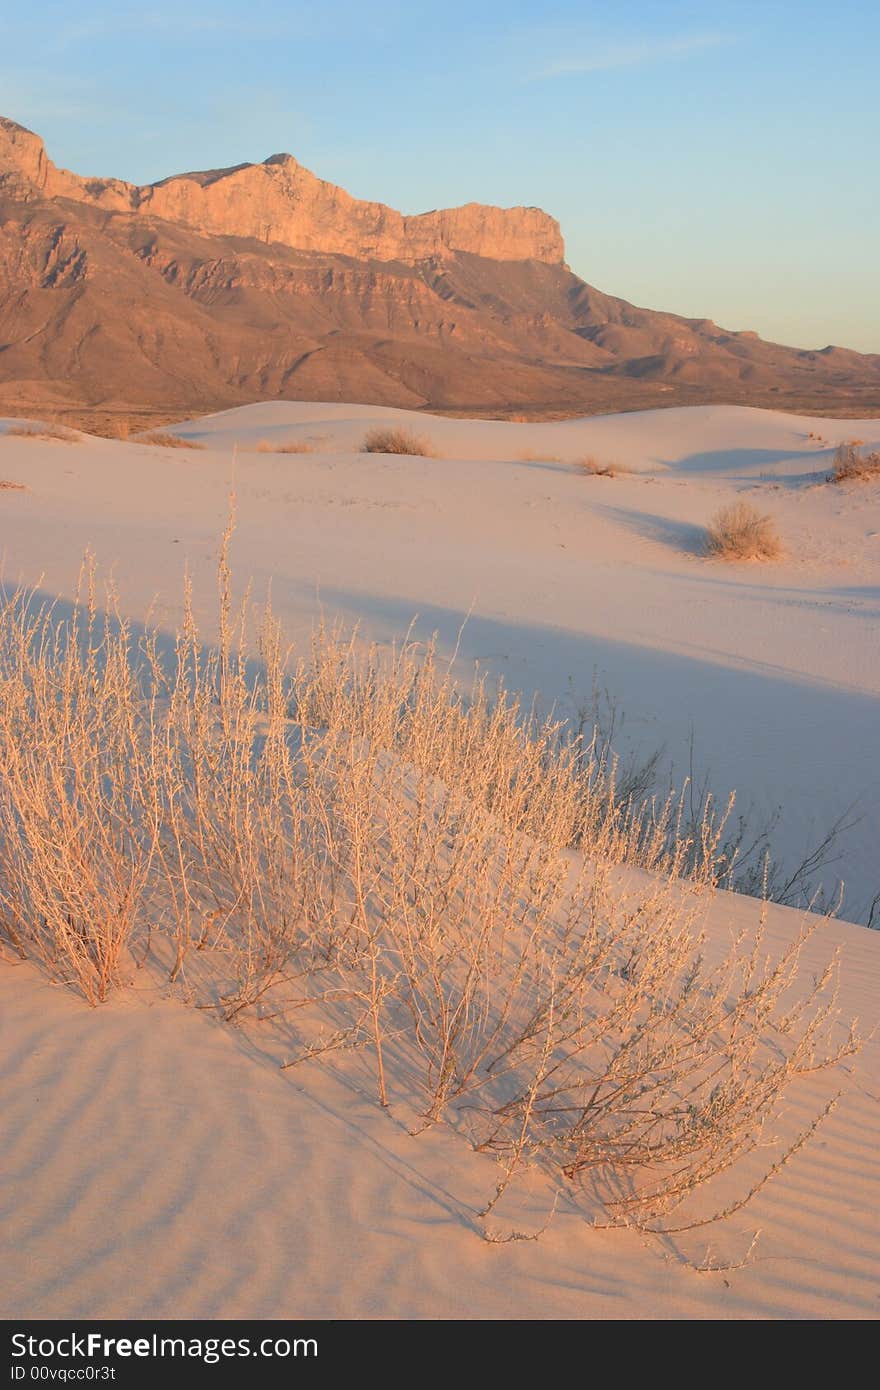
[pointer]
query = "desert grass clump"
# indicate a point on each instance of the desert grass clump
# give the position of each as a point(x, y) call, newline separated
point(290, 446)
point(53, 432)
point(852, 466)
point(396, 440)
point(600, 468)
point(7, 485)
point(169, 441)
point(741, 532)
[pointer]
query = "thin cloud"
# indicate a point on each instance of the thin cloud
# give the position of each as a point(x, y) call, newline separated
point(629, 55)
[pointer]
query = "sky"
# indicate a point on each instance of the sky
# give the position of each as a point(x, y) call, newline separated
point(715, 159)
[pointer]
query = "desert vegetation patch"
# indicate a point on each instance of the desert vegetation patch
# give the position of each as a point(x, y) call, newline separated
point(396, 440)
point(165, 440)
point(852, 465)
point(288, 446)
point(51, 432)
point(741, 532)
point(359, 849)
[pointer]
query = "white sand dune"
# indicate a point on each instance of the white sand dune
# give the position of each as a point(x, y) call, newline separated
point(572, 583)
point(158, 1164)
point(732, 440)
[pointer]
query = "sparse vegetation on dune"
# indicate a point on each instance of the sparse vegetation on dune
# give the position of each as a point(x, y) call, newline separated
point(7, 485)
point(852, 466)
point(593, 467)
point(54, 432)
point(381, 860)
point(601, 468)
point(290, 446)
point(741, 532)
point(396, 440)
point(121, 423)
point(169, 441)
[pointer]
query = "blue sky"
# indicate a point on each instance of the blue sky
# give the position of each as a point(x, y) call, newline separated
point(716, 159)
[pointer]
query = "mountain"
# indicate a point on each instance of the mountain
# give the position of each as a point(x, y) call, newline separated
point(263, 281)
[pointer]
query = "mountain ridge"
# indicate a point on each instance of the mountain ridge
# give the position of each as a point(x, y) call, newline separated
point(279, 200)
point(262, 281)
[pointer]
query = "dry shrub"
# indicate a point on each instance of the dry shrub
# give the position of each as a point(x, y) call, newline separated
point(600, 468)
point(377, 860)
point(75, 824)
point(396, 440)
point(57, 432)
point(646, 1072)
point(6, 485)
point(292, 446)
point(741, 532)
point(851, 466)
point(169, 441)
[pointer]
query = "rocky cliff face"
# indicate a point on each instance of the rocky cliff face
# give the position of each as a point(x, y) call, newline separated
point(263, 282)
point(280, 201)
point(22, 157)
